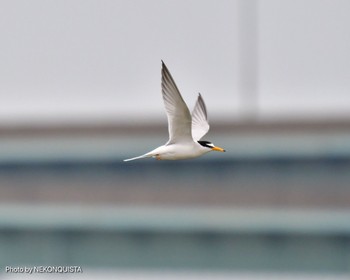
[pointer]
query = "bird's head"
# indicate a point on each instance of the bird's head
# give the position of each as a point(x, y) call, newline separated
point(211, 146)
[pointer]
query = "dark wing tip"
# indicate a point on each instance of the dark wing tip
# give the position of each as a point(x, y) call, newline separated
point(164, 69)
point(164, 66)
point(202, 104)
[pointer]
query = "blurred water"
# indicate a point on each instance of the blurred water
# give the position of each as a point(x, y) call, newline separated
point(308, 182)
point(276, 203)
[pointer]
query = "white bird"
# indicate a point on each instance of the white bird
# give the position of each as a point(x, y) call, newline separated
point(185, 130)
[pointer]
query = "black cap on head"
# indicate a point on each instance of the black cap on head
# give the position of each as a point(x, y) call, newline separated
point(207, 144)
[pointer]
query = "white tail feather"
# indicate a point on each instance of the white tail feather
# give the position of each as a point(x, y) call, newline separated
point(140, 157)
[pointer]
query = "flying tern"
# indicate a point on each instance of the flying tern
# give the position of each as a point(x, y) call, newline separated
point(185, 130)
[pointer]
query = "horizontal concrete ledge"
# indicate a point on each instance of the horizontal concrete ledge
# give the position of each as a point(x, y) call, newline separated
point(175, 219)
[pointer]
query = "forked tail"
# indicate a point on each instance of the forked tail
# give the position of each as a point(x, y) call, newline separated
point(139, 157)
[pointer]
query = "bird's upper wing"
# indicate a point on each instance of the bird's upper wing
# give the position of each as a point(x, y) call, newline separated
point(179, 117)
point(200, 125)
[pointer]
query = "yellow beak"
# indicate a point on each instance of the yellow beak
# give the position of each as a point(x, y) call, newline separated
point(218, 149)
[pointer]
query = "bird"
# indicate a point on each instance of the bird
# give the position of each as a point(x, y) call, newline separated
point(185, 129)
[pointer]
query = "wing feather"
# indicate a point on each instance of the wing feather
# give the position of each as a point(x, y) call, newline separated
point(200, 125)
point(179, 117)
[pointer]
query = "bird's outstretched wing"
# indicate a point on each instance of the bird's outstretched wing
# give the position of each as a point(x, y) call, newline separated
point(200, 125)
point(179, 117)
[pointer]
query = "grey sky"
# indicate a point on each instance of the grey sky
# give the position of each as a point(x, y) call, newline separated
point(85, 60)
point(304, 57)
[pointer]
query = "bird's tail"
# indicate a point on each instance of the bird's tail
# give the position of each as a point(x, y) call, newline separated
point(139, 157)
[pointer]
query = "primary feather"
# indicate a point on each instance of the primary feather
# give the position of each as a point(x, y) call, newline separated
point(179, 117)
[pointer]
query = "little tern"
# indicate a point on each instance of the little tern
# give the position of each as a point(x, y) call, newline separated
point(185, 130)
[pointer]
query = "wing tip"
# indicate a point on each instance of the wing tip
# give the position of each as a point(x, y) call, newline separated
point(201, 104)
point(163, 64)
point(165, 71)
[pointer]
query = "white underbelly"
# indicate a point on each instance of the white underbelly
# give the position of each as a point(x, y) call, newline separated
point(179, 151)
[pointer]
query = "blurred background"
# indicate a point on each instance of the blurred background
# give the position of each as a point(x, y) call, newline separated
point(80, 91)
